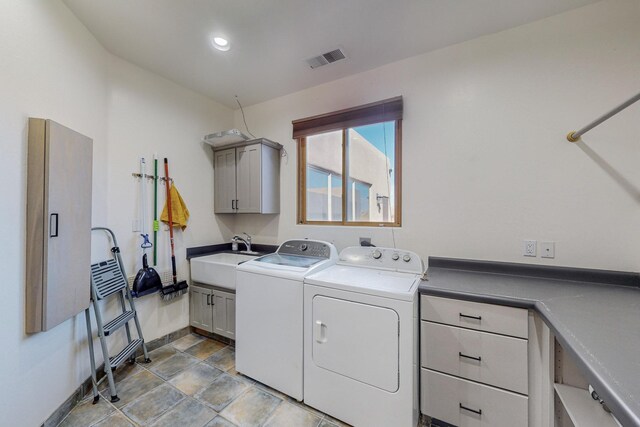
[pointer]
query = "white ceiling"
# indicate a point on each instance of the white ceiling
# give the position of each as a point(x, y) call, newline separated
point(271, 39)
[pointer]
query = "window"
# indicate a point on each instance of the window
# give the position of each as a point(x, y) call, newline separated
point(349, 166)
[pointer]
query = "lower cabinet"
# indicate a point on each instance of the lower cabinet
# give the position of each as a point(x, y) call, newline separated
point(200, 309)
point(468, 403)
point(224, 313)
point(474, 363)
point(212, 310)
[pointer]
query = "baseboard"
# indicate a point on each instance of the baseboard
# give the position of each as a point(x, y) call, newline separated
point(166, 339)
point(213, 336)
point(80, 393)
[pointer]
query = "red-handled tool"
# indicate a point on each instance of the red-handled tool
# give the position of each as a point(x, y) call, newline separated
point(177, 288)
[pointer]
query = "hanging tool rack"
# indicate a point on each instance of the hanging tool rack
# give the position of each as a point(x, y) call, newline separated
point(151, 177)
point(155, 178)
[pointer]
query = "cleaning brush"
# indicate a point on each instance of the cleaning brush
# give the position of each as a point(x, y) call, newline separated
point(172, 291)
point(176, 289)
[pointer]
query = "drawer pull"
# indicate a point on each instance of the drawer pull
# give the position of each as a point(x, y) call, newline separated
point(466, 316)
point(479, 411)
point(479, 359)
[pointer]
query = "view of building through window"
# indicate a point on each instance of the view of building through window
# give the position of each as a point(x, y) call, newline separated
point(369, 166)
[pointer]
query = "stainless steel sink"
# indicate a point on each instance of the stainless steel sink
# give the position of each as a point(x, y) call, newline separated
point(218, 269)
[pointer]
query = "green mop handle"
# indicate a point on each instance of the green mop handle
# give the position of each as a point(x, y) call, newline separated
point(156, 224)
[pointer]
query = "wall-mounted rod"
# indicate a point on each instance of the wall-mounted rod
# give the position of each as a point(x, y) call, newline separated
point(574, 136)
point(150, 177)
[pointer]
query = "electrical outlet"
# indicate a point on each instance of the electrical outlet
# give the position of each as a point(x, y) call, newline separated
point(135, 227)
point(365, 240)
point(548, 249)
point(529, 248)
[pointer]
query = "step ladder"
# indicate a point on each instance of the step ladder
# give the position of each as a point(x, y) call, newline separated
point(108, 279)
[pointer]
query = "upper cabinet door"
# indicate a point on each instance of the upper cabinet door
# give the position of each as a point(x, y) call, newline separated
point(67, 223)
point(248, 170)
point(224, 196)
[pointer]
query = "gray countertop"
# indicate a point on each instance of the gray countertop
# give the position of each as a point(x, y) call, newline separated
point(598, 324)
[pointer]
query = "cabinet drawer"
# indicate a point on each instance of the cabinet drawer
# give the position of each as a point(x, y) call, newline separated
point(492, 359)
point(454, 400)
point(483, 317)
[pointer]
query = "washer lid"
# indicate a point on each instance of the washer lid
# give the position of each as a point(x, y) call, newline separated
point(370, 281)
point(290, 260)
point(277, 266)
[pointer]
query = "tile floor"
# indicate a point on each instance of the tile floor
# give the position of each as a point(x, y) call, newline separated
point(192, 382)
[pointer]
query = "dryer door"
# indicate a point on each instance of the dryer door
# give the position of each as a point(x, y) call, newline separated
point(356, 340)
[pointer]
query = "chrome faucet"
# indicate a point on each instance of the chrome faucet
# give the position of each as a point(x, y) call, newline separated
point(246, 240)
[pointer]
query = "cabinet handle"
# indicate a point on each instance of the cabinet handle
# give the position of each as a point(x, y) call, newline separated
point(237, 204)
point(51, 224)
point(466, 316)
point(208, 299)
point(479, 411)
point(233, 204)
point(479, 358)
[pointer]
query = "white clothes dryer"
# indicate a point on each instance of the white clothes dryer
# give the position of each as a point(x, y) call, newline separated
point(361, 334)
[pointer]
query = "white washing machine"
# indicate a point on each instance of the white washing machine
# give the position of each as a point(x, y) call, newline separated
point(361, 335)
point(269, 321)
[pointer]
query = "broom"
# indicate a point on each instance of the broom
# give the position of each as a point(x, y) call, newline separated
point(176, 289)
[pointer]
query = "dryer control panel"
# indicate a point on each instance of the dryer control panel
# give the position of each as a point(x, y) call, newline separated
point(385, 258)
point(309, 248)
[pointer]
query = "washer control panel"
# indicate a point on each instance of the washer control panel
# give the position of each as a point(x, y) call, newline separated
point(310, 248)
point(387, 258)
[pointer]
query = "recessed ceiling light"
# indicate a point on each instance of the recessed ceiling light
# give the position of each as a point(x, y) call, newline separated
point(220, 43)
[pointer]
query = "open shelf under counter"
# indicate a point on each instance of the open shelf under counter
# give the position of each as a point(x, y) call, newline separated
point(582, 409)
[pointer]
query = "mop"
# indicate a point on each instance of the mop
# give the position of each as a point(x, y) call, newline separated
point(176, 289)
point(156, 224)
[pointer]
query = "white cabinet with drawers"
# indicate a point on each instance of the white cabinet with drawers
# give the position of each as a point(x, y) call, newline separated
point(466, 403)
point(474, 363)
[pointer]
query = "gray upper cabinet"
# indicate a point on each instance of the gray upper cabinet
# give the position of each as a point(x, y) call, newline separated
point(247, 177)
point(58, 224)
point(248, 181)
point(225, 180)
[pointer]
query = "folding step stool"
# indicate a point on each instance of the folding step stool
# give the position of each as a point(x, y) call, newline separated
point(109, 278)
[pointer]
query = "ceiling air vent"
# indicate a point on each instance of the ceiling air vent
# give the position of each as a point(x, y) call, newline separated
point(326, 58)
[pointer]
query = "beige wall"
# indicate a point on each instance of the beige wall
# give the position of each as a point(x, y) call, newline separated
point(147, 115)
point(485, 162)
point(52, 67)
point(43, 49)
